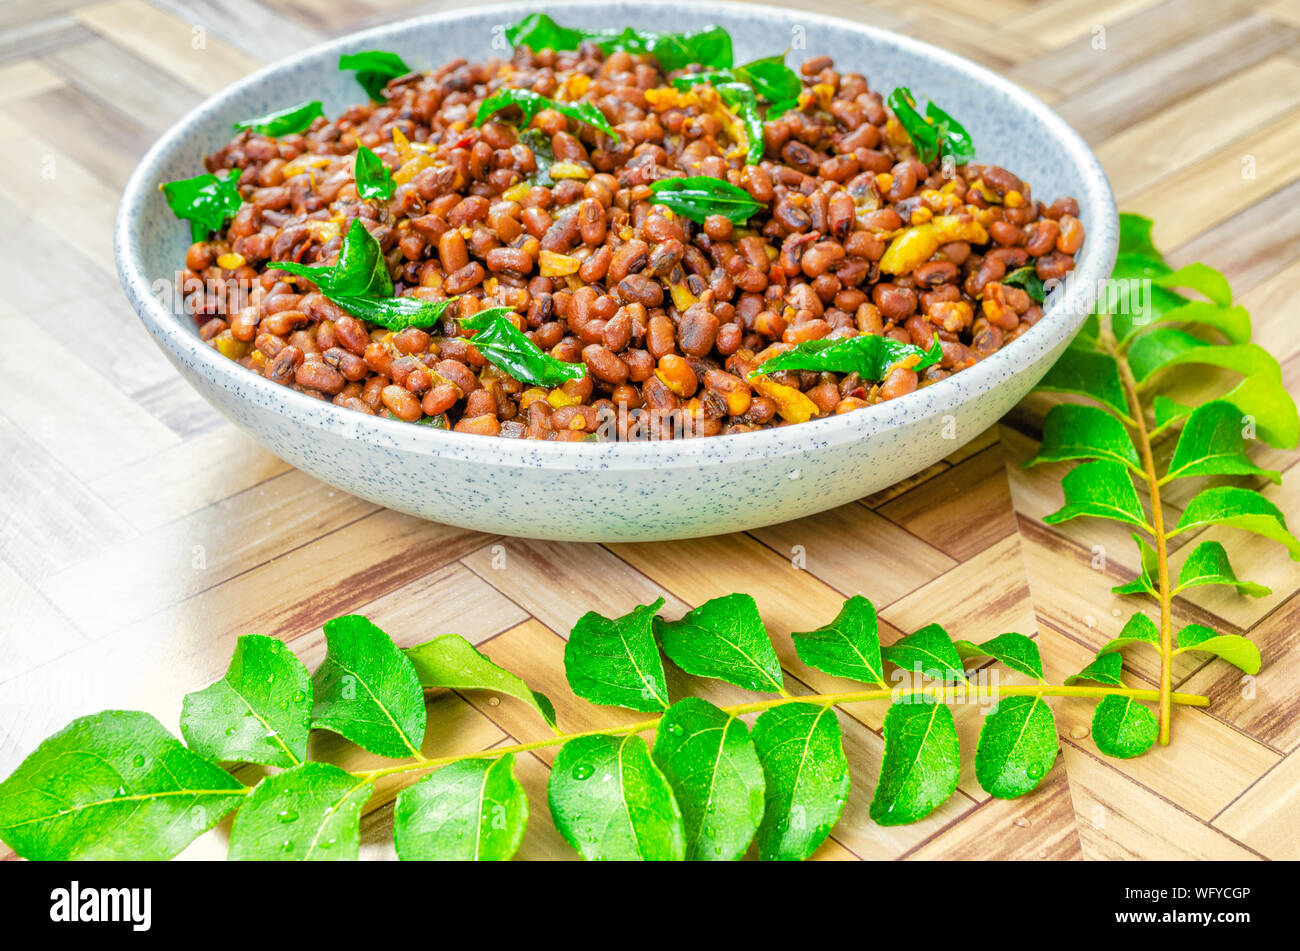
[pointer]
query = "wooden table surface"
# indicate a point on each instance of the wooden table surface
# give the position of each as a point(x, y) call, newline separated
point(142, 533)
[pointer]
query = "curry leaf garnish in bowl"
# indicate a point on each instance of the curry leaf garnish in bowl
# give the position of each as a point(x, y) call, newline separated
point(936, 134)
point(206, 201)
point(373, 178)
point(710, 46)
point(285, 121)
point(697, 197)
point(374, 69)
point(531, 103)
point(769, 78)
point(504, 346)
point(867, 355)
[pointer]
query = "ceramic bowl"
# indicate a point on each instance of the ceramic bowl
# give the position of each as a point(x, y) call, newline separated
point(624, 491)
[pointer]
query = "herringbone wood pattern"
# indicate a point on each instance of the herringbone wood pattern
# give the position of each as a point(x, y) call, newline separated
point(142, 533)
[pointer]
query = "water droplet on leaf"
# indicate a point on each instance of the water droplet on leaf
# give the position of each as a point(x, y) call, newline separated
point(582, 771)
point(287, 815)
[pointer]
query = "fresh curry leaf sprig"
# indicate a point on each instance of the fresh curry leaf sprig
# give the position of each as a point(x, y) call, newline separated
point(1142, 330)
point(374, 69)
point(206, 201)
point(285, 121)
point(771, 774)
point(531, 103)
point(936, 134)
point(710, 46)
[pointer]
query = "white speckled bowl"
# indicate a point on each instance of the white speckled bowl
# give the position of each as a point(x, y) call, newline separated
point(636, 491)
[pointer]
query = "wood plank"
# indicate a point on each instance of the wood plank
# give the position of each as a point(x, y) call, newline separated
point(39, 36)
point(25, 78)
point(962, 511)
point(1180, 136)
point(1267, 817)
point(1119, 819)
point(1227, 182)
point(1123, 98)
point(207, 63)
point(858, 551)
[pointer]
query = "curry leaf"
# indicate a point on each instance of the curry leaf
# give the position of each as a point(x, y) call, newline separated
point(472, 810)
point(1165, 347)
point(285, 121)
point(374, 69)
point(868, 355)
point(367, 690)
point(710, 762)
point(1235, 649)
point(710, 46)
point(1212, 443)
point(848, 646)
point(309, 813)
point(530, 103)
point(1202, 278)
point(1168, 411)
point(743, 103)
point(1104, 669)
point(1135, 235)
point(206, 201)
point(115, 785)
point(1014, 651)
point(806, 776)
point(1122, 727)
point(610, 801)
point(616, 662)
point(504, 346)
point(1087, 373)
point(1017, 746)
point(1027, 278)
point(924, 136)
point(1072, 431)
point(1138, 629)
point(452, 662)
point(724, 638)
point(1208, 564)
point(921, 762)
point(258, 712)
point(395, 313)
point(1145, 582)
point(1101, 489)
point(1238, 508)
point(698, 197)
point(372, 176)
point(929, 650)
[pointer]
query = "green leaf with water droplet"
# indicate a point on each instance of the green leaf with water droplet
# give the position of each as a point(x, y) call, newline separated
point(115, 785)
point(451, 661)
point(610, 801)
point(1235, 649)
point(1104, 669)
point(921, 763)
point(931, 651)
point(1101, 489)
point(1087, 373)
point(1208, 564)
point(1122, 727)
point(710, 762)
point(806, 776)
point(473, 810)
point(260, 712)
point(1017, 746)
point(616, 661)
point(1072, 431)
point(1014, 651)
point(1213, 443)
point(311, 813)
point(1238, 508)
point(1138, 629)
point(849, 646)
point(724, 638)
point(367, 690)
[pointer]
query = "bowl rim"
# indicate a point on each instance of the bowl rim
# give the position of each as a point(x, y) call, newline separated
point(1059, 322)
